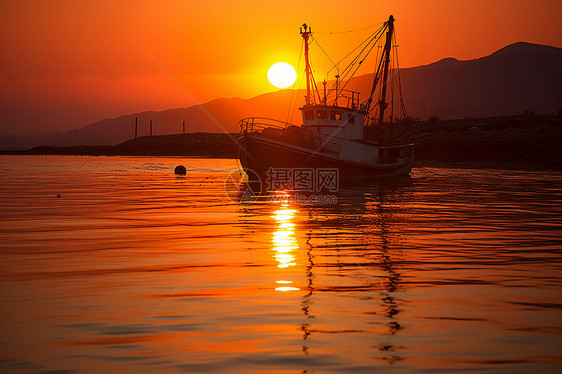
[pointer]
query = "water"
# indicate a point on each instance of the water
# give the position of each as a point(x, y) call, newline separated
point(134, 269)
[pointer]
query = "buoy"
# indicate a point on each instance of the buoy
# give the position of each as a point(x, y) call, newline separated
point(59, 195)
point(180, 170)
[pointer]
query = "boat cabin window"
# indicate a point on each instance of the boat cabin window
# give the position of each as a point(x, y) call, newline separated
point(321, 114)
point(335, 115)
point(351, 118)
point(308, 114)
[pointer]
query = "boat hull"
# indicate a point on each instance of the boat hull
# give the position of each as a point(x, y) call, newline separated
point(258, 154)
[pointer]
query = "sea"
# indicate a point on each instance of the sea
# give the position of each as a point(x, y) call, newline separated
point(118, 265)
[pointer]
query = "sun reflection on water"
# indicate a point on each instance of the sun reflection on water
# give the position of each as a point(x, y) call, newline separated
point(284, 243)
point(285, 288)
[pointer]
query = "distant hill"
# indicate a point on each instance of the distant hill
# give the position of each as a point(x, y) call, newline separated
point(520, 77)
point(221, 115)
point(517, 78)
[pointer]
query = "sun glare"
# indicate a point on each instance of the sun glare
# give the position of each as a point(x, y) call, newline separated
point(281, 75)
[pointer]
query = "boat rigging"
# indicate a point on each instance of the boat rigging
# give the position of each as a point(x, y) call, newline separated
point(387, 64)
point(337, 130)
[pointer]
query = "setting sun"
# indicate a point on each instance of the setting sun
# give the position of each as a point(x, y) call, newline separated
point(281, 75)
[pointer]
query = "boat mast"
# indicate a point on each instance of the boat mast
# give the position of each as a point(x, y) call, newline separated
point(308, 70)
point(388, 45)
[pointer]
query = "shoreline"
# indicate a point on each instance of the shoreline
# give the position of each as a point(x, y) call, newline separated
point(418, 163)
point(525, 141)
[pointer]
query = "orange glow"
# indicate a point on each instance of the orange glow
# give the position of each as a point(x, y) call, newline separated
point(77, 62)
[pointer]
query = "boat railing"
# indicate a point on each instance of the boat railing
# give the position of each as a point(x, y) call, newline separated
point(255, 124)
point(351, 98)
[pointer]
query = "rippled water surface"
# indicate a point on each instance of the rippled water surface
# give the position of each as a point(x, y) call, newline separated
point(133, 269)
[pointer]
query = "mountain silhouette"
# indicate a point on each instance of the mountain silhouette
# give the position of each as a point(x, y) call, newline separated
point(517, 78)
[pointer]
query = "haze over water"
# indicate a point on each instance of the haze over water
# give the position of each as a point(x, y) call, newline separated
point(134, 269)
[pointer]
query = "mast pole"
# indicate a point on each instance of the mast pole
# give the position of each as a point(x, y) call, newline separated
point(305, 35)
point(388, 45)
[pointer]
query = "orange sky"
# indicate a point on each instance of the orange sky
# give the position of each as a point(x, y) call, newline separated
point(65, 64)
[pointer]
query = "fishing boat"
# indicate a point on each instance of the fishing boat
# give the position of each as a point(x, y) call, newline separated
point(338, 131)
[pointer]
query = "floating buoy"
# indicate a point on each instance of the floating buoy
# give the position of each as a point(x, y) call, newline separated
point(180, 170)
point(59, 195)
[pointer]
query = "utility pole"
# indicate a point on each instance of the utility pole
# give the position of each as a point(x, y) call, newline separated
point(136, 126)
point(150, 127)
point(184, 127)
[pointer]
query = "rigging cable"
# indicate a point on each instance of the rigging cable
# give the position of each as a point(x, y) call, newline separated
point(322, 49)
point(392, 80)
point(367, 40)
point(376, 37)
point(399, 84)
point(292, 112)
point(315, 87)
point(375, 80)
point(371, 39)
point(300, 88)
point(291, 109)
point(365, 43)
point(348, 31)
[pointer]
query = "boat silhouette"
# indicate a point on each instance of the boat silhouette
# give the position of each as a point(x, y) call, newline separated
point(339, 132)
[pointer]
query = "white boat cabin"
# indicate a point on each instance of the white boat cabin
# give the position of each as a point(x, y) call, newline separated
point(345, 122)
